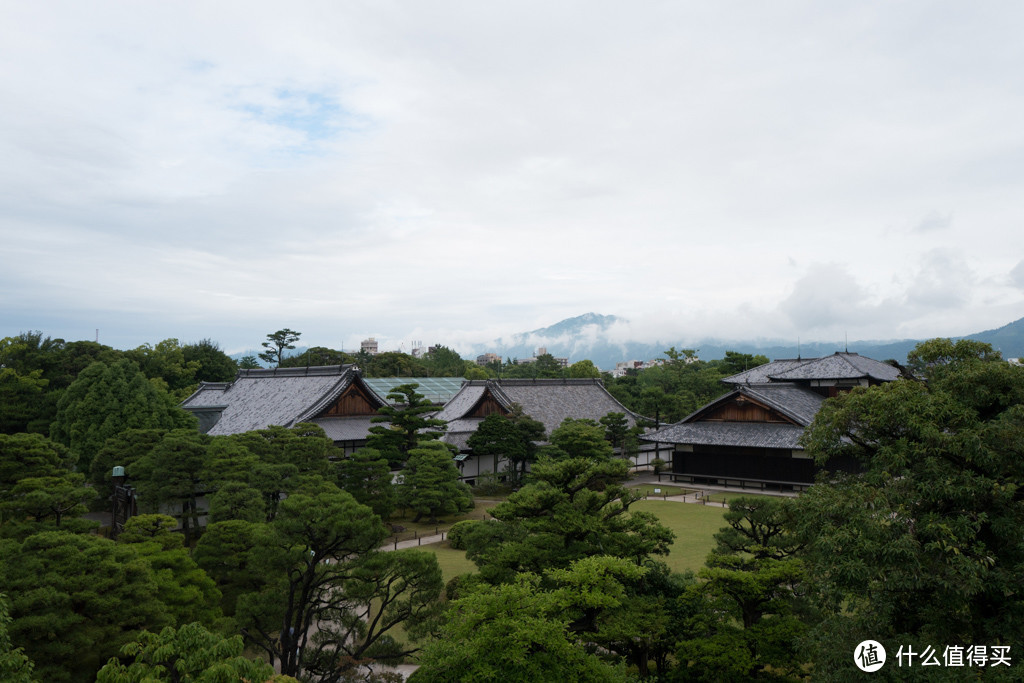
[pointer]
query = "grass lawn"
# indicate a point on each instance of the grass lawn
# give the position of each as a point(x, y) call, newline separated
point(664, 490)
point(694, 525)
point(722, 497)
point(425, 528)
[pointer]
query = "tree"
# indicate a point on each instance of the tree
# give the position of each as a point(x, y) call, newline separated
point(584, 369)
point(520, 631)
point(106, 400)
point(15, 667)
point(746, 618)
point(444, 362)
point(248, 363)
point(317, 355)
point(172, 474)
point(407, 424)
point(123, 449)
point(513, 437)
point(572, 508)
point(230, 553)
point(581, 438)
point(547, 366)
point(237, 500)
point(189, 654)
point(165, 364)
point(277, 343)
point(329, 600)
point(76, 600)
point(366, 475)
point(735, 362)
point(184, 589)
point(430, 483)
point(213, 365)
point(22, 399)
point(923, 544)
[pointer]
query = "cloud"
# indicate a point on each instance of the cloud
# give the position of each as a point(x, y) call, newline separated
point(934, 222)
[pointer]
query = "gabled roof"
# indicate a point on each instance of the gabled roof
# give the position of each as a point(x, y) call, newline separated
point(280, 396)
point(791, 401)
point(838, 366)
point(549, 401)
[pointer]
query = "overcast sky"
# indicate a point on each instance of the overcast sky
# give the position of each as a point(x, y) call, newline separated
point(454, 171)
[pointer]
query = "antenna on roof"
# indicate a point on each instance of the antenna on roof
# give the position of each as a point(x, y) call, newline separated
point(798, 348)
point(846, 342)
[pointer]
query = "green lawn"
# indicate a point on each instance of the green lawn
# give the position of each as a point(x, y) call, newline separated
point(660, 490)
point(694, 526)
point(722, 497)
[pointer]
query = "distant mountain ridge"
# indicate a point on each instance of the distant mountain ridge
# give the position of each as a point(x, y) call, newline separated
point(584, 337)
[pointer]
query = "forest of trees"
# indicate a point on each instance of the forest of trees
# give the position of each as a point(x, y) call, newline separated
point(259, 555)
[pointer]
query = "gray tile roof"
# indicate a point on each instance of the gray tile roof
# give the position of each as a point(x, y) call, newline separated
point(355, 428)
point(790, 400)
point(281, 396)
point(738, 434)
point(838, 366)
point(549, 401)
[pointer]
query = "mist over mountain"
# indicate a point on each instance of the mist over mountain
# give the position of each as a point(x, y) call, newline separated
point(606, 340)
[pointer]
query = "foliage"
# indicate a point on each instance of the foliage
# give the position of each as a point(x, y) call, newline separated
point(581, 438)
point(277, 343)
point(183, 588)
point(317, 355)
point(367, 476)
point(237, 500)
point(745, 620)
point(572, 508)
point(584, 369)
point(519, 632)
point(248, 363)
point(15, 667)
point(76, 600)
point(406, 423)
point(107, 399)
point(513, 437)
point(444, 362)
point(123, 449)
point(189, 654)
point(229, 552)
point(212, 364)
point(924, 543)
point(320, 564)
point(22, 399)
point(172, 474)
point(430, 483)
point(165, 364)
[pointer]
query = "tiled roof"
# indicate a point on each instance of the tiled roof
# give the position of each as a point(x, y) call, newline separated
point(281, 396)
point(790, 400)
point(549, 401)
point(353, 428)
point(738, 434)
point(838, 366)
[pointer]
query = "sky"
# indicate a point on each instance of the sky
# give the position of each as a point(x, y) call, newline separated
point(451, 172)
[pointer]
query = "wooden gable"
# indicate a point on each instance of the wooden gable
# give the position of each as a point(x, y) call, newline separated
point(486, 405)
point(355, 400)
point(742, 408)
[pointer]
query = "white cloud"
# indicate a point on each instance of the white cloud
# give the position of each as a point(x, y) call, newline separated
point(470, 171)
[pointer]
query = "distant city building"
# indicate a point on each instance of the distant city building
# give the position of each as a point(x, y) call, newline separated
point(626, 367)
point(418, 350)
point(369, 346)
point(488, 358)
point(542, 350)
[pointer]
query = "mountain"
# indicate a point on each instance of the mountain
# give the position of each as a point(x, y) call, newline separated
point(587, 336)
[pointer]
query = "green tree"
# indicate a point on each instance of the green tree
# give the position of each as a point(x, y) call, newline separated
point(367, 476)
point(108, 399)
point(249, 363)
point(513, 437)
point(581, 438)
point(76, 600)
point(735, 362)
point(748, 615)
point(15, 667)
point(584, 369)
point(923, 544)
point(122, 449)
point(444, 362)
point(399, 428)
point(476, 372)
point(213, 364)
point(318, 355)
point(22, 399)
point(172, 474)
point(184, 589)
point(277, 343)
point(230, 552)
point(430, 483)
point(321, 566)
point(165, 364)
point(519, 631)
point(237, 500)
point(572, 508)
point(189, 654)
